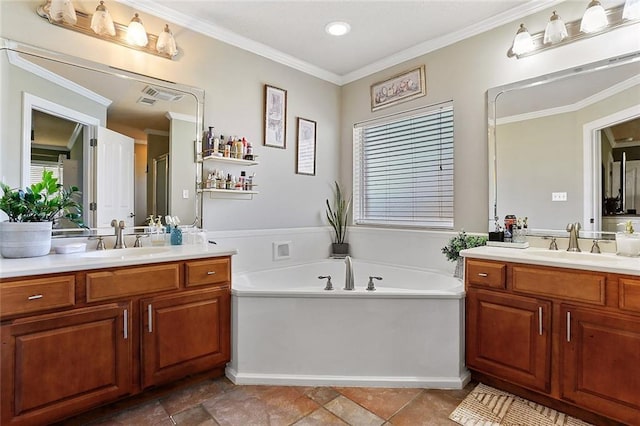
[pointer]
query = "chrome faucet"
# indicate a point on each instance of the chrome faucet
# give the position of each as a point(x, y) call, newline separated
point(574, 231)
point(119, 227)
point(348, 281)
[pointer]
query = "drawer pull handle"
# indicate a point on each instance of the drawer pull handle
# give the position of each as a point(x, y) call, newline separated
point(211, 273)
point(150, 318)
point(540, 320)
point(568, 326)
point(35, 297)
point(126, 323)
point(483, 274)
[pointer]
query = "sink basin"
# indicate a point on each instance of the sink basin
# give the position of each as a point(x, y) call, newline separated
point(575, 256)
point(126, 252)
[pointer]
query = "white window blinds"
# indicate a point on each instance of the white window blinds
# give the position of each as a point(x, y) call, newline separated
point(403, 169)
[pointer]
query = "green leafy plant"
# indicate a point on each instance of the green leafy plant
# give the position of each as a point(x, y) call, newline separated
point(337, 215)
point(45, 201)
point(460, 242)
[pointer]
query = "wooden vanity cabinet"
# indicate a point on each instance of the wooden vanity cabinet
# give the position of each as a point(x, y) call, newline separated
point(569, 336)
point(120, 331)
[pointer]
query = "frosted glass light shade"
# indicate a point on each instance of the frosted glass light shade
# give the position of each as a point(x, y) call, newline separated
point(166, 43)
point(101, 21)
point(631, 10)
point(594, 18)
point(522, 43)
point(556, 31)
point(62, 11)
point(136, 34)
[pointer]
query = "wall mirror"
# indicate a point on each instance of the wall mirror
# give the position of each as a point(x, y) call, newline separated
point(127, 140)
point(561, 148)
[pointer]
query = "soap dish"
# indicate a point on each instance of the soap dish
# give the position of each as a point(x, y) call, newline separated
point(71, 248)
point(523, 245)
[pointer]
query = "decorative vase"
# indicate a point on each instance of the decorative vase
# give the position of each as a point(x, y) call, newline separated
point(25, 239)
point(459, 272)
point(176, 236)
point(339, 250)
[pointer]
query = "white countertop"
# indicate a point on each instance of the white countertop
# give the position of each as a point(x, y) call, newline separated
point(603, 262)
point(54, 263)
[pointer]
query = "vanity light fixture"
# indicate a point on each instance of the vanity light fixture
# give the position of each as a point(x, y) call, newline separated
point(101, 25)
point(631, 9)
point(575, 30)
point(522, 43)
point(337, 28)
point(101, 21)
point(556, 31)
point(594, 18)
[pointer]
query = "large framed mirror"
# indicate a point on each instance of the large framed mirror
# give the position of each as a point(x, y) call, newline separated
point(565, 147)
point(129, 141)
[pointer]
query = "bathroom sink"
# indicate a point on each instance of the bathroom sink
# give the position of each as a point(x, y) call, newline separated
point(575, 256)
point(126, 253)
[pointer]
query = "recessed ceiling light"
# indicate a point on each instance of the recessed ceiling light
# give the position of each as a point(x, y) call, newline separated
point(337, 28)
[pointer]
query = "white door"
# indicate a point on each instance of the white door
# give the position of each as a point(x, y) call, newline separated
point(114, 178)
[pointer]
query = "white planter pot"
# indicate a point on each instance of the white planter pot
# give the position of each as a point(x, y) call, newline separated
point(25, 239)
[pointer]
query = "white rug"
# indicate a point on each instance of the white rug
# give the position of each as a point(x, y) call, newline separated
point(487, 406)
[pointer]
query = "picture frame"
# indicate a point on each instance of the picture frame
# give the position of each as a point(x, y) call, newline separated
point(275, 117)
point(399, 88)
point(306, 147)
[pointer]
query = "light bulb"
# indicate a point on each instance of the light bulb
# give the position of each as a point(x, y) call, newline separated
point(631, 9)
point(556, 31)
point(62, 11)
point(101, 22)
point(522, 43)
point(136, 34)
point(166, 43)
point(594, 18)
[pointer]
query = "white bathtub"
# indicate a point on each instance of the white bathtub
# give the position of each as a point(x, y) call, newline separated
point(287, 330)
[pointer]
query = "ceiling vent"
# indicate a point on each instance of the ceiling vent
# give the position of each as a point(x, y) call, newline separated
point(162, 94)
point(143, 100)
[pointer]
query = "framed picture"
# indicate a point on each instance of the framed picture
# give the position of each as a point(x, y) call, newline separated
point(306, 149)
point(275, 117)
point(399, 88)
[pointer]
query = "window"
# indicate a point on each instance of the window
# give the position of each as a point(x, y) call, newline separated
point(403, 169)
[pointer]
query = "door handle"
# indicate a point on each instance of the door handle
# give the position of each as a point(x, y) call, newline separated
point(568, 326)
point(540, 320)
point(150, 318)
point(125, 318)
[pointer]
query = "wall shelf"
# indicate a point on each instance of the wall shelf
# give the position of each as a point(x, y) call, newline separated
point(228, 160)
point(228, 193)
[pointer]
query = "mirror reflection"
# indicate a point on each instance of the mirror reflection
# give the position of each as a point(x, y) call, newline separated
point(127, 141)
point(563, 147)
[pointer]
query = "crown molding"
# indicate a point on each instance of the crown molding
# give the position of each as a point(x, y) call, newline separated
point(155, 8)
point(182, 117)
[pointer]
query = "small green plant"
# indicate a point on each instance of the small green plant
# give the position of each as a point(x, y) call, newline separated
point(338, 214)
point(460, 242)
point(45, 201)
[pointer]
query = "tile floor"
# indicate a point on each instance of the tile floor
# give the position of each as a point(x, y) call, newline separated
point(219, 402)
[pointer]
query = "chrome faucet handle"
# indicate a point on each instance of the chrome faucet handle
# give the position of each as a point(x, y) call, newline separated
point(138, 243)
point(595, 248)
point(100, 245)
point(329, 285)
point(554, 244)
point(370, 286)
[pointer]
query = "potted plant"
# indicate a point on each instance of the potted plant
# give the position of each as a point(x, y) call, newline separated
point(337, 217)
point(458, 243)
point(31, 214)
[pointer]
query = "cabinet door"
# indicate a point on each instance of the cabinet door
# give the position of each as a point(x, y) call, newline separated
point(509, 337)
point(59, 364)
point(601, 362)
point(184, 334)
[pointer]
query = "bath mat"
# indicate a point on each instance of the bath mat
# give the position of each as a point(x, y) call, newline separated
point(487, 406)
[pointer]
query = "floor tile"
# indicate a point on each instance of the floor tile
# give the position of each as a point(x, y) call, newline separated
point(194, 416)
point(384, 402)
point(193, 395)
point(151, 414)
point(260, 405)
point(321, 395)
point(320, 417)
point(430, 408)
point(352, 413)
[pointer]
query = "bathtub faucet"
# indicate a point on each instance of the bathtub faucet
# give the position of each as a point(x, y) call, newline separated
point(348, 281)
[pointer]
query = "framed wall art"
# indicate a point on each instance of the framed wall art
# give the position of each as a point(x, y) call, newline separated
point(275, 117)
point(306, 147)
point(399, 88)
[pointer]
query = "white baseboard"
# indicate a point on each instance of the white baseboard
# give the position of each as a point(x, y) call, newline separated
point(348, 381)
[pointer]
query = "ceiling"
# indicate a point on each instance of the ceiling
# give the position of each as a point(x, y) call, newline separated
point(383, 33)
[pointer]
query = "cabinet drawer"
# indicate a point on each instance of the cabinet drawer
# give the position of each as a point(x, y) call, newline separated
point(210, 271)
point(28, 296)
point(486, 274)
point(629, 291)
point(574, 286)
point(117, 283)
